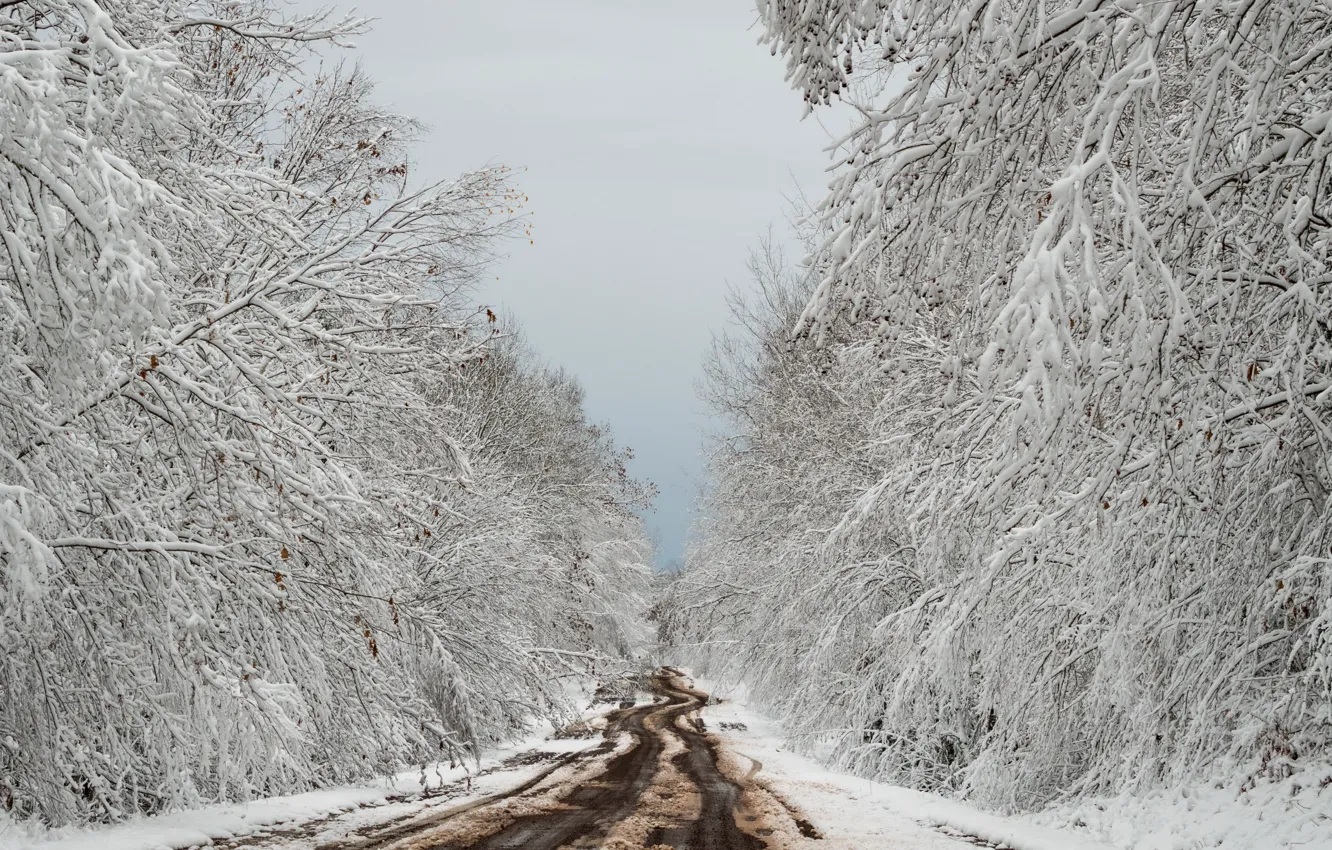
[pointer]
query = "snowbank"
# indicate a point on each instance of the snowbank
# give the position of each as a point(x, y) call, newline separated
point(178, 830)
point(873, 807)
point(1294, 813)
point(192, 828)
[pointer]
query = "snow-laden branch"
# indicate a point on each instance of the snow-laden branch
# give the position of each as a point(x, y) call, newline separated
point(269, 482)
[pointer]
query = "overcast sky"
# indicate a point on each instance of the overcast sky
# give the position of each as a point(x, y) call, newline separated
point(660, 141)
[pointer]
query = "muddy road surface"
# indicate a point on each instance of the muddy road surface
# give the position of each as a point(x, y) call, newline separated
point(657, 781)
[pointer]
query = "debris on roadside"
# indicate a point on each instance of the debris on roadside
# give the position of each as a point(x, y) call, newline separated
point(577, 729)
point(621, 688)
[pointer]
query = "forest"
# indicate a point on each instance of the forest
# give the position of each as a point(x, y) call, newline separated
point(1021, 491)
point(1018, 485)
point(280, 507)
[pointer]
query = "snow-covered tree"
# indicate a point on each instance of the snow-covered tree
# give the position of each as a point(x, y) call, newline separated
point(1077, 254)
point(244, 547)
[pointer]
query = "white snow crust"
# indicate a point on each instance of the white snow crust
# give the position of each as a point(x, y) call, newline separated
point(878, 815)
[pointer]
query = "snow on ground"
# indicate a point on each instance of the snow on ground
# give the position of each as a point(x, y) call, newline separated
point(1295, 813)
point(200, 826)
point(380, 802)
point(862, 814)
point(298, 816)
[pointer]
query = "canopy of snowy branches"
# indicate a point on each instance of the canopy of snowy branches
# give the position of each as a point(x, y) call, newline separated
point(278, 508)
point(1026, 487)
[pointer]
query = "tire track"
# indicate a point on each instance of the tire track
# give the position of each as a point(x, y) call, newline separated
point(587, 813)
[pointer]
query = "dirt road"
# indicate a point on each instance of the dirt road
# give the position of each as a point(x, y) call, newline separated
point(607, 805)
point(657, 781)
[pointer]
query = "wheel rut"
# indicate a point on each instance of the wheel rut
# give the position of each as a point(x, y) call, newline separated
point(665, 791)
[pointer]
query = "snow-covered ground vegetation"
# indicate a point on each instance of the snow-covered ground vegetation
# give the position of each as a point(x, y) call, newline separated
point(1024, 489)
point(279, 507)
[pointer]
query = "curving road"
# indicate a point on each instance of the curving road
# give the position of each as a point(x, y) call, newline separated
point(657, 781)
point(611, 801)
